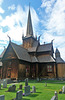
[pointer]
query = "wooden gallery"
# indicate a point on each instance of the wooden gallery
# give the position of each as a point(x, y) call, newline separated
point(31, 59)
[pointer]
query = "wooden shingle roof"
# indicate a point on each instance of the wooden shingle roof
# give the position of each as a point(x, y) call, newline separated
point(0, 62)
point(1, 57)
point(58, 57)
point(59, 60)
point(44, 47)
point(34, 59)
point(2, 53)
point(34, 47)
point(45, 59)
point(21, 53)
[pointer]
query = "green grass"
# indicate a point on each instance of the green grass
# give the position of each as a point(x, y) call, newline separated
point(42, 92)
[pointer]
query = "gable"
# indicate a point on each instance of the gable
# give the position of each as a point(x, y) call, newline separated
point(9, 54)
point(21, 53)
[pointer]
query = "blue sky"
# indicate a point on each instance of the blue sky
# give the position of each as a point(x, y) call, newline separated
point(48, 19)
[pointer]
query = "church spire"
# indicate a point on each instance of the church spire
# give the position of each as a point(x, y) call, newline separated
point(29, 31)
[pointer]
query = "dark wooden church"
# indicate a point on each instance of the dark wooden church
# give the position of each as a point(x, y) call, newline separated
point(31, 59)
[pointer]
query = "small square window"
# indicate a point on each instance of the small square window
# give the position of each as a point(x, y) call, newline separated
point(49, 68)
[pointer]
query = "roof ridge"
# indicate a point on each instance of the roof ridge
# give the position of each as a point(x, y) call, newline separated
point(1, 55)
point(45, 44)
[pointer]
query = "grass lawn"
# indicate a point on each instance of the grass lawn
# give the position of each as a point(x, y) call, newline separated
point(42, 92)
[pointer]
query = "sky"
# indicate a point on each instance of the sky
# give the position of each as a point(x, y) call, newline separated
point(48, 20)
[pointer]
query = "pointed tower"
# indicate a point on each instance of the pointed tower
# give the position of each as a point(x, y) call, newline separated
point(57, 53)
point(29, 39)
point(29, 26)
point(58, 57)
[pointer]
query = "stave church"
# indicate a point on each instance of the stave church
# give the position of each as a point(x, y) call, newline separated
point(31, 59)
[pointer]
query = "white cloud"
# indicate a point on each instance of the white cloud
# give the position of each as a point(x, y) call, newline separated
point(1, 18)
point(61, 49)
point(3, 36)
point(59, 42)
point(55, 23)
point(35, 21)
point(12, 7)
point(17, 23)
point(47, 4)
point(3, 42)
point(1, 10)
point(1, 1)
point(1, 48)
point(56, 18)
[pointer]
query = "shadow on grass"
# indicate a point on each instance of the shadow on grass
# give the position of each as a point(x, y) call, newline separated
point(25, 99)
point(2, 89)
point(12, 91)
point(33, 95)
point(47, 86)
point(31, 88)
point(21, 99)
point(35, 81)
point(38, 92)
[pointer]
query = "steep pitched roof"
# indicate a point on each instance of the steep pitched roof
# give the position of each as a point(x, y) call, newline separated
point(21, 53)
point(2, 53)
point(2, 56)
point(58, 57)
point(59, 60)
point(29, 26)
point(42, 59)
point(34, 59)
point(46, 58)
point(40, 48)
point(34, 47)
point(0, 62)
point(57, 51)
point(44, 47)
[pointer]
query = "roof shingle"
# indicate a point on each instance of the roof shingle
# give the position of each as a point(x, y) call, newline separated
point(45, 47)
point(46, 58)
point(59, 60)
point(21, 52)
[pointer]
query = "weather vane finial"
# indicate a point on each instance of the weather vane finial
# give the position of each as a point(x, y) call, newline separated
point(52, 41)
point(9, 38)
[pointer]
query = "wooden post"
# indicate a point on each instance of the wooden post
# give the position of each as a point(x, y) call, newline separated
point(37, 70)
point(56, 71)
